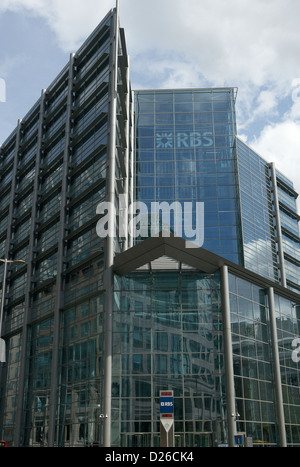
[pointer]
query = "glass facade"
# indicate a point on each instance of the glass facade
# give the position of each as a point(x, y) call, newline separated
point(270, 221)
point(253, 362)
point(185, 153)
point(168, 335)
point(89, 347)
point(54, 170)
point(288, 328)
point(258, 229)
point(289, 222)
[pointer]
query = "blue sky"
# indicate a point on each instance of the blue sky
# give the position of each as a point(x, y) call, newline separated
point(254, 46)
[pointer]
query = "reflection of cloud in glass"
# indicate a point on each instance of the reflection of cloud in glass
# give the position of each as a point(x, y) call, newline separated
point(259, 257)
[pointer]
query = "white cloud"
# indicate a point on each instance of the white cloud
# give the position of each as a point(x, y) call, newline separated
point(9, 64)
point(295, 110)
point(256, 104)
point(2, 90)
point(254, 46)
point(71, 20)
point(231, 42)
point(280, 143)
point(267, 103)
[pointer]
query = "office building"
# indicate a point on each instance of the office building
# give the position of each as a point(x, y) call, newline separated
point(95, 327)
point(56, 167)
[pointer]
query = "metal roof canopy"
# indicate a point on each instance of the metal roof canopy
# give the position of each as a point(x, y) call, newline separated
point(203, 260)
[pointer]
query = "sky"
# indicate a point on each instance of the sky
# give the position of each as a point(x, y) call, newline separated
point(251, 45)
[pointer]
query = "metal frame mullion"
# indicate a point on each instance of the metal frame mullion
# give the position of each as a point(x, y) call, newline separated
point(3, 369)
point(60, 262)
point(27, 307)
point(110, 195)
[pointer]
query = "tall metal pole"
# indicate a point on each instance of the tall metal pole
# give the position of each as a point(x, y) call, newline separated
point(108, 275)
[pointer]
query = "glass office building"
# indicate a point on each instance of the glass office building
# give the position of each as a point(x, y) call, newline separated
point(56, 167)
point(218, 335)
point(94, 327)
point(185, 153)
point(270, 229)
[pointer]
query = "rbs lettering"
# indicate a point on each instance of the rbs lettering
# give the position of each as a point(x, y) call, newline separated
point(166, 405)
point(181, 140)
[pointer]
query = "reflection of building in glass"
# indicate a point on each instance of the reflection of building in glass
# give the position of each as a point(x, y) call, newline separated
point(54, 172)
point(172, 324)
point(96, 328)
point(185, 152)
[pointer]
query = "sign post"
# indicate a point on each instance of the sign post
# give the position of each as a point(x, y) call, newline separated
point(166, 419)
point(240, 439)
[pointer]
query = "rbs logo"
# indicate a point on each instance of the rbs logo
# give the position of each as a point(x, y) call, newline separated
point(166, 404)
point(181, 140)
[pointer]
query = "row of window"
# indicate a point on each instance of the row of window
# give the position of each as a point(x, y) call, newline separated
point(182, 179)
point(189, 193)
point(204, 118)
point(286, 198)
point(185, 96)
point(182, 107)
point(217, 130)
point(206, 159)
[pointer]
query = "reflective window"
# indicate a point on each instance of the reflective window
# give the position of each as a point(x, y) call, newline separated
point(252, 361)
point(165, 331)
point(257, 213)
point(184, 140)
point(288, 329)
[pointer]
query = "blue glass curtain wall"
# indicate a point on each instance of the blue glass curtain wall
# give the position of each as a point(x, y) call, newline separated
point(185, 152)
point(260, 251)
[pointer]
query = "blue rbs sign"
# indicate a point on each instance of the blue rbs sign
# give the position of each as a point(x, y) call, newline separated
point(166, 402)
point(181, 140)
